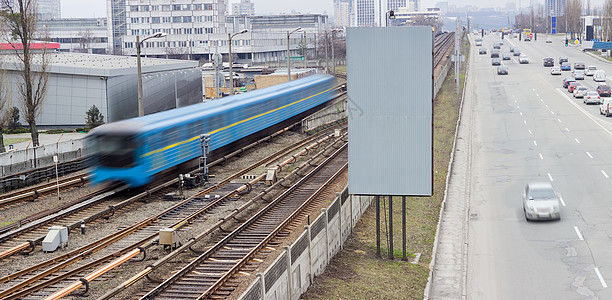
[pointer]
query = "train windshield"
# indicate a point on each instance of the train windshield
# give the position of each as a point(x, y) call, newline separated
point(116, 151)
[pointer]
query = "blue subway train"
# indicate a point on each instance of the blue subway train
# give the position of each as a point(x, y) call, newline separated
point(138, 150)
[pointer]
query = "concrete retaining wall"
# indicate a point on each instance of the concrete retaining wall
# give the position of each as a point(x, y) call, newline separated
point(327, 115)
point(27, 159)
point(442, 75)
point(294, 270)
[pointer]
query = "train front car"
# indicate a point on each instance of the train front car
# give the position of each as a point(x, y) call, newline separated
point(113, 152)
point(139, 150)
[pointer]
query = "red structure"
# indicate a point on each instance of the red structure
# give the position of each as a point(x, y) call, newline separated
point(38, 46)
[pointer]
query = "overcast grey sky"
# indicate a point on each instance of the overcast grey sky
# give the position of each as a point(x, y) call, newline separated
point(97, 8)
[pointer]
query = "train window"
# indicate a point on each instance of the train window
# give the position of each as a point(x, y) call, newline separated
point(116, 151)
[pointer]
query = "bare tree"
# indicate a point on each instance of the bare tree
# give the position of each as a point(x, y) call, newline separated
point(607, 23)
point(20, 19)
point(573, 11)
point(85, 39)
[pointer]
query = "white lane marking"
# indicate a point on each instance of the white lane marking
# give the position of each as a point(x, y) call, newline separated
point(541, 100)
point(552, 113)
point(566, 129)
point(525, 122)
point(534, 142)
point(541, 157)
point(561, 199)
point(537, 95)
point(589, 154)
point(533, 90)
point(518, 107)
point(520, 113)
point(546, 106)
point(529, 131)
point(578, 233)
point(584, 112)
point(559, 120)
point(603, 283)
point(550, 177)
point(577, 141)
point(604, 174)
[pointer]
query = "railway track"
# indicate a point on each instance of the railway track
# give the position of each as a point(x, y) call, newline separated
point(33, 192)
point(29, 281)
point(442, 44)
point(210, 275)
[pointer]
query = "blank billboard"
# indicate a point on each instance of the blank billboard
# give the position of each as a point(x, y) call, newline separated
point(390, 100)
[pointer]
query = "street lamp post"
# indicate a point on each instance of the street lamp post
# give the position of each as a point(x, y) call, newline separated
point(389, 15)
point(231, 74)
point(332, 50)
point(289, 54)
point(138, 43)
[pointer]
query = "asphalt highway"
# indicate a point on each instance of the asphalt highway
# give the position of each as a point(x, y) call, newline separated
point(526, 127)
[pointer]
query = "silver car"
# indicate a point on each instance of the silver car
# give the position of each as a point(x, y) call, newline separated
point(578, 75)
point(540, 202)
point(580, 91)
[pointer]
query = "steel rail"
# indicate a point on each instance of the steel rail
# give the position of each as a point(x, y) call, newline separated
point(17, 292)
point(212, 250)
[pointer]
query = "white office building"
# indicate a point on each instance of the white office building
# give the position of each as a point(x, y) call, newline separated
point(243, 8)
point(85, 35)
point(374, 13)
point(342, 13)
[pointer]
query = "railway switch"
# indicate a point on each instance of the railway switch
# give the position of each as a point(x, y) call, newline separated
point(271, 175)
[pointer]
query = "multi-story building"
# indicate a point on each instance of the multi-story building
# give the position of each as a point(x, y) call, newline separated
point(85, 35)
point(366, 12)
point(554, 7)
point(46, 9)
point(407, 17)
point(189, 24)
point(374, 12)
point(414, 5)
point(342, 12)
point(49, 9)
point(243, 8)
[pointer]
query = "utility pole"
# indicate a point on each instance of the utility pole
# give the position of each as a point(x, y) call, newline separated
point(457, 56)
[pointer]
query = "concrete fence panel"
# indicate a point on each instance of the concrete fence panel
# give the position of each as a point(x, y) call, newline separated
point(293, 271)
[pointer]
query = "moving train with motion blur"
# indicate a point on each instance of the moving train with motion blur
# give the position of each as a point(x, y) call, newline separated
point(138, 151)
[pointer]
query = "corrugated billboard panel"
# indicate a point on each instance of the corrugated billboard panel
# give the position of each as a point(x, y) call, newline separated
point(390, 98)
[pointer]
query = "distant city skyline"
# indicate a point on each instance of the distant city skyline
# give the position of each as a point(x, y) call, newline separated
point(97, 8)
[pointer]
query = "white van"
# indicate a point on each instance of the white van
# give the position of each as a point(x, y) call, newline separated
point(590, 70)
point(600, 76)
point(606, 106)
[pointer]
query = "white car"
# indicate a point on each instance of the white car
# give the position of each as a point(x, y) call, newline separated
point(548, 40)
point(555, 70)
point(591, 97)
point(606, 107)
point(580, 91)
point(600, 76)
point(578, 74)
point(590, 70)
point(540, 202)
point(523, 59)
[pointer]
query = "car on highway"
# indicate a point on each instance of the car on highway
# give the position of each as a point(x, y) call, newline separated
point(555, 70)
point(566, 66)
point(516, 52)
point(580, 91)
point(482, 50)
point(495, 61)
point(578, 74)
point(600, 76)
point(591, 97)
point(478, 42)
point(502, 70)
point(506, 56)
point(590, 70)
point(494, 53)
point(496, 45)
point(567, 81)
point(572, 86)
point(606, 108)
point(579, 66)
point(540, 202)
point(548, 40)
point(563, 59)
point(512, 49)
point(524, 59)
point(549, 62)
point(604, 90)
